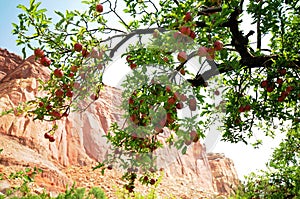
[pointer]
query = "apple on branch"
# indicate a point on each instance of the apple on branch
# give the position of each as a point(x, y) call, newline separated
point(78, 47)
point(99, 8)
point(202, 51)
point(192, 104)
point(39, 53)
point(192, 35)
point(182, 56)
point(218, 45)
point(59, 93)
point(194, 136)
point(58, 73)
point(45, 61)
point(185, 30)
point(188, 17)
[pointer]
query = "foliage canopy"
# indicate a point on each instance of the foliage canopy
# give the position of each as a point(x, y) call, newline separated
point(259, 87)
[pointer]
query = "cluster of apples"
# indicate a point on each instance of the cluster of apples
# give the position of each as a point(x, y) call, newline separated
point(40, 54)
point(151, 181)
point(174, 102)
point(78, 48)
point(209, 53)
point(245, 108)
point(270, 85)
point(185, 30)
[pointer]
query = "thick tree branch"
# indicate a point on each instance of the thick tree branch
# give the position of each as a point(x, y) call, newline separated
point(130, 35)
point(240, 42)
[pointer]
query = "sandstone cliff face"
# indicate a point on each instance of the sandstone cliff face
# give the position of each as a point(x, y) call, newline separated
point(79, 138)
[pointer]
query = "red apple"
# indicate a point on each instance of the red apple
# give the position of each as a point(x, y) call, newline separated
point(217, 92)
point(168, 88)
point(171, 100)
point(85, 53)
point(218, 45)
point(202, 51)
point(39, 53)
point(185, 30)
point(177, 95)
point(41, 104)
point(211, 53)
point(282, 71)
point(241, 109)
point(194, 136)
point(285, 93)
point(51, 139)
point(281, 99)
point(133, 66)
point(182, 71)
point(130, 100)
point(247, 107)
point(193, 35)
point(55, 114)
point(99, 8)
point(74, 69)
point(128, 59)
point(170, 118)
point(237, 121)
point(179, 105)
point(192, 104)
point(270, 89)
point(48, 107)
point(71, 74)
point(289, 88)
point(45, 61)
point(152, 181)
point(158, 129)
point(94, 97)
point(69, 93)
point(47, 135)
point(100, 67)
point(77, 47)
point(182, 56)
point(166, 59)
point(188, 142)
point(183, 97)
point(58, 73)
point(264, 84)
point(279, 81)
point(59, 93)
point(188, 17)
point(134, 119)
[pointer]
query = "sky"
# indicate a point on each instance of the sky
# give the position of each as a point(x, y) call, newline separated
point(245, 157)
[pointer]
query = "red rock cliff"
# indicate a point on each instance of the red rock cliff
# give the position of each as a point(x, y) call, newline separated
point(79, 138)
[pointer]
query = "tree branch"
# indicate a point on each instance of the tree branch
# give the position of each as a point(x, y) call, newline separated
point(129, 35)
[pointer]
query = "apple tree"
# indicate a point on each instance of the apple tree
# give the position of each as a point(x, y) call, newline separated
point(259, 86)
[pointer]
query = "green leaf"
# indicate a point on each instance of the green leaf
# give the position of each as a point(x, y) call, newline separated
point(24, 52)
point(20, 6)
point(183, 151)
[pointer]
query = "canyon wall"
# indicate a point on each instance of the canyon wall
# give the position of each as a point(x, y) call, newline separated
point(79, 137)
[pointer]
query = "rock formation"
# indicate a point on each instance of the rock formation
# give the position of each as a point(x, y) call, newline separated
point(79, 137)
